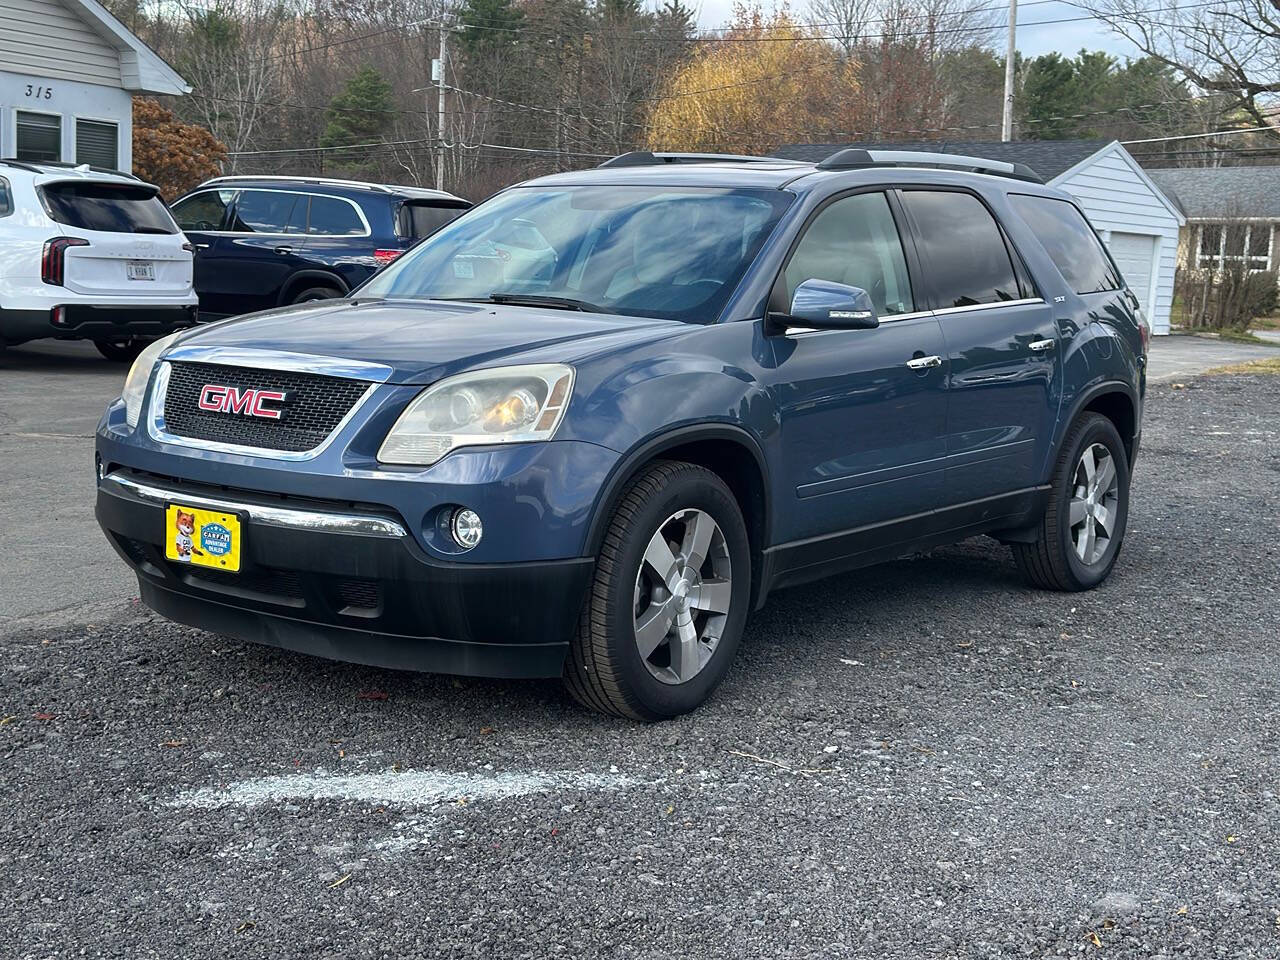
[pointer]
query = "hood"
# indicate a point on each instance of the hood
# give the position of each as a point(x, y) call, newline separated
point(422, 341)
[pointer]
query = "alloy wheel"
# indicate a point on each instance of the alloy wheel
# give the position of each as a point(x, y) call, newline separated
point(1095, 501)
point(682, 595)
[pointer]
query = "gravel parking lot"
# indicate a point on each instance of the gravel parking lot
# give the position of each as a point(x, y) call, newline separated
point(925, 759)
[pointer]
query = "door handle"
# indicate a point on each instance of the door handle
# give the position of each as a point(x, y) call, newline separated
point(201, 246)
point(283, 249)
point(924, 363)
point(1040, 346)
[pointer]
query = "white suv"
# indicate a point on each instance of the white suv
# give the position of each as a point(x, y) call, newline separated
point(89, 254)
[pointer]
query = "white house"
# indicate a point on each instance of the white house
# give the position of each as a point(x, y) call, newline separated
point(1137, 221)
point(68, 73)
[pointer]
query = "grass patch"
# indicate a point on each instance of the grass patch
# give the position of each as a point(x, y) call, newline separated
point(1269, 365)
point(1235, 336)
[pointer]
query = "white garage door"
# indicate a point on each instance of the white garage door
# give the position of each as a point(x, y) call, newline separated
point(1135, 254)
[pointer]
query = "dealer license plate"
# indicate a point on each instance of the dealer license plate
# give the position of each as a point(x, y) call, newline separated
point(205, 538)
point(140, 269)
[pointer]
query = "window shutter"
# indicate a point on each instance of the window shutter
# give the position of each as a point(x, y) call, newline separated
point(97, 144)
point(39, 137)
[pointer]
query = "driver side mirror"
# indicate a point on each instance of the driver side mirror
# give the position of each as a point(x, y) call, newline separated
point(826, 305)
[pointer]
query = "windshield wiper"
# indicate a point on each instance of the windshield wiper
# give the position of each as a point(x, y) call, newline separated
point(539, 300)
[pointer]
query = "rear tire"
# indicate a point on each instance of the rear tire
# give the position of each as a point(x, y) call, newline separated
point(121, 351)
point(1083, 526)
point(316, 293)
point(666, 607)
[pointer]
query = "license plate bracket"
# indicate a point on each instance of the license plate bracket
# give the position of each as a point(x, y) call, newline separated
point(140, 269)
point(203, 538)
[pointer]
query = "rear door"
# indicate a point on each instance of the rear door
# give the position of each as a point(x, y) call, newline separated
point(203, 216)
point(339, 238)
point(863, 411)
point(133, 247)
point(1001, 341)
point(265, 243)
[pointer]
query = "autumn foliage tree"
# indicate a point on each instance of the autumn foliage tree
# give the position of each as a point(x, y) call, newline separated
point(767, 81)
point(172, 154)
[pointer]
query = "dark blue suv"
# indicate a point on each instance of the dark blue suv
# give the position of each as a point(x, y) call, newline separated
point(585, 429)
point(263, 242)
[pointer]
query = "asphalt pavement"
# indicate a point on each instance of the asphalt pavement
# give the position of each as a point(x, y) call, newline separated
point(924, 759)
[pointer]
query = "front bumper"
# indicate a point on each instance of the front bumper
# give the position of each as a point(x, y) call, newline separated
point(347, 583)
point(95, 322)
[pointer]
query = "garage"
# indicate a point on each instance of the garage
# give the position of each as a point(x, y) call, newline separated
point(1136, 220)
point(1136, 254)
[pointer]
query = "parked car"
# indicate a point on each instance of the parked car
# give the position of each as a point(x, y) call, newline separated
point(264, 242)
point(732, 376)
point(89, 254)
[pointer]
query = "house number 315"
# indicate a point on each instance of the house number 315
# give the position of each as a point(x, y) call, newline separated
point(39, 93)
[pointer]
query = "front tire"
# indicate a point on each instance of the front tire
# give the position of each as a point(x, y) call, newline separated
point(665, 612)
point(1083, 527)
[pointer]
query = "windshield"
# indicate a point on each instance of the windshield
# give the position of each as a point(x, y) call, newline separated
point(114, 207)
point(672, 253)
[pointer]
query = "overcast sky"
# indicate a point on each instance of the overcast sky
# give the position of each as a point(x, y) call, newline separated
point(1066, 38)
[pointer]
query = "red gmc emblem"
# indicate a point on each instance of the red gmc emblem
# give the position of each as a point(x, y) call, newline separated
point(248, 402)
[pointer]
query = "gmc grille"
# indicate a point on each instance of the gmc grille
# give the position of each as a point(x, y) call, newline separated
point(316, 406)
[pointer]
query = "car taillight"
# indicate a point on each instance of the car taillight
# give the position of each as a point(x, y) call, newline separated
point(1144, 328)
point(53, 262)
point(189, 247)
point(386, 256)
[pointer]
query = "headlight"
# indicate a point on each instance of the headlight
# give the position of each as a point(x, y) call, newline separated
point(503, 405)
point(135, 384)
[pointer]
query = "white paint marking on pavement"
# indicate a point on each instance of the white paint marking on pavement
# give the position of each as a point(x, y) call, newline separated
point(410, 788)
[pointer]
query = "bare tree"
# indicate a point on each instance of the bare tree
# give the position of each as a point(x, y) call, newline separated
point(1232, 47)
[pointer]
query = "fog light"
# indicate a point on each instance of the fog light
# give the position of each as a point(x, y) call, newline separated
point(59, 316)
point(466, 528)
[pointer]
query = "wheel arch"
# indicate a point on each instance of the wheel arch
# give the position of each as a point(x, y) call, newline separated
point(1115, 400)
point(727, 450)
point(304, 278)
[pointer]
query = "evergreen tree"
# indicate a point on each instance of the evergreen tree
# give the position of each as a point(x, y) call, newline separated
point(361, 113)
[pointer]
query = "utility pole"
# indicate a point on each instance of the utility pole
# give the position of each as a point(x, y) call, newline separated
point(1006, 123)
point(439, 78)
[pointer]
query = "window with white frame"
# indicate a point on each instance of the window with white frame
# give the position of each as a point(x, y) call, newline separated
point(1235, 242)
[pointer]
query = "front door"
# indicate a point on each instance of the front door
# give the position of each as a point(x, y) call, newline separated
point(1002, 343)
point(202, 217)
point(863, 411)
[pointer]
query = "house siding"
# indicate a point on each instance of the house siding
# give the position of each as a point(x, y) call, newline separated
point(1116, 198)
point(48, 41)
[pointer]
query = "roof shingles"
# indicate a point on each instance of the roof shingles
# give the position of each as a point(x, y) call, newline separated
point(1223, 193)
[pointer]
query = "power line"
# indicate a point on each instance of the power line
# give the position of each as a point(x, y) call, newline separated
point(1211, 133)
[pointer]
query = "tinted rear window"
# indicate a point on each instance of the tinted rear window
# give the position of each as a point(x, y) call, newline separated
point(964, 251)
point(113, 207)
point(331, 216)
point(1070, 242)
point(422, 219)
point(269, 211)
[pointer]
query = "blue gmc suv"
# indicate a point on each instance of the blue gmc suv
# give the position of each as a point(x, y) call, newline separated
point(586, 428)
point(263, 242)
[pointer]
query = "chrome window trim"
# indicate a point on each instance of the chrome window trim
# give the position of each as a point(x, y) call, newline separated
point(893, 318)
point(156, 423)
point(970, 308)
point(368, 230)
point(269, 516)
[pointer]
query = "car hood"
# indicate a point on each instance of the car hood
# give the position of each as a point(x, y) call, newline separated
point(422, 341)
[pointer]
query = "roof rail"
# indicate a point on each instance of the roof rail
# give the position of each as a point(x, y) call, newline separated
point(644, 158)
point(854, 158)
point(42, 166)
point(303, 179)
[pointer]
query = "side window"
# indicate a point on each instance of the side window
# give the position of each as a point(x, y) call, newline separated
point(1070, 242)
point(269, 211)
point(963, 248)
point(206, 210)
point(855, 241)
point(331, 216)
point(6, 198)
